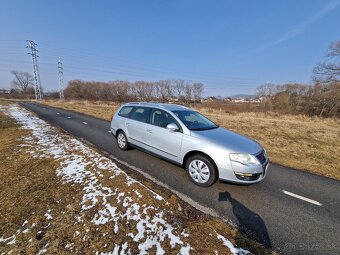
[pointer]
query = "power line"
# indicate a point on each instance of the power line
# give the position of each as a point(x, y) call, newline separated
point(37, 83)
point(81, 63)
point(141, 69)
point(73, 70)
point(76, 53)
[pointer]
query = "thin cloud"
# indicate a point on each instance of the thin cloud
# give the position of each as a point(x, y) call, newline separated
point(300, 28)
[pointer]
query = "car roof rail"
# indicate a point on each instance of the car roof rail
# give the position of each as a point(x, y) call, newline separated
point(156, 104)
point(147, 103)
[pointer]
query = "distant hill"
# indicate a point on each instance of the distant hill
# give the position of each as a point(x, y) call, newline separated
point(243, 96)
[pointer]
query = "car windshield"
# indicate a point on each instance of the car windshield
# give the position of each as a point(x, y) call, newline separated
point(194, 120)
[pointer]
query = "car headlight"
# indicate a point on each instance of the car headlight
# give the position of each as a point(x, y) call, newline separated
point(245, 159)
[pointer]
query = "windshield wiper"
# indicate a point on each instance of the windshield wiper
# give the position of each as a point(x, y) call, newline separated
point(202, 129)
point(213, 127)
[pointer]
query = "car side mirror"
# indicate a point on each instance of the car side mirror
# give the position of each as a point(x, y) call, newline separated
point(172, 127)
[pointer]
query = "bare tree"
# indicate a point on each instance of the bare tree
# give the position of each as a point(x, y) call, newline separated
point(162, 86)
point(266, 90)
point(197, 91)
point(140, 90)
point(334, 49)
point(149, 91)
point(179, 88)
point(23, 80)
point(122, 90)
point(329, 71)
point(169, 89)
point(144, 90)
point(188, 93)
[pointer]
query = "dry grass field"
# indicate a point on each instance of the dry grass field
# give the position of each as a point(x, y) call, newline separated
point(51, 205)
point(101, 110)
point(308, 143)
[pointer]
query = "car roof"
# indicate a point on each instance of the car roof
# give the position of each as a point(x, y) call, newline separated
point(169, 107)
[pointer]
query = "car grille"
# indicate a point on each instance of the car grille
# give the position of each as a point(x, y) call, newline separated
point(261, 157)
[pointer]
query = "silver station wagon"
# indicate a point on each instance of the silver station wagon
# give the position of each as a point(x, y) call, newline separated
point(185, 137)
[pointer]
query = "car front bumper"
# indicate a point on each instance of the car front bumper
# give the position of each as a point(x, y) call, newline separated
point(244, 174)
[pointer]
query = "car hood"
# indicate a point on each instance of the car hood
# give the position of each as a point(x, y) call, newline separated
point(229, 140)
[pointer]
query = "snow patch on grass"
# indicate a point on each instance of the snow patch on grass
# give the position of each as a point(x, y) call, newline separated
point(43, 249)
point(82, 165)
point(48, 215)
point(11, 240)
point(232, 248)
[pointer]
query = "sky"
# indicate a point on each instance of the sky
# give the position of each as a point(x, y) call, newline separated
point(230, 46)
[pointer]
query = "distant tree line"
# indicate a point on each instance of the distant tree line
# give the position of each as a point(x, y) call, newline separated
point(122, 91)
point(322, 98)
point(319, 99)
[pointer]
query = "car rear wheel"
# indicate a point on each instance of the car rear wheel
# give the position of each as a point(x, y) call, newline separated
point(122, 141)
point(201, 170)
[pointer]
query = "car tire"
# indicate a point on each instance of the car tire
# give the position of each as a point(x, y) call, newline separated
point(201, 170)
point(122, 141)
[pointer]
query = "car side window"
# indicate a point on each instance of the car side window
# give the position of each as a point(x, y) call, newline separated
point(141, 114)
point(161, 118)
point(125, 111)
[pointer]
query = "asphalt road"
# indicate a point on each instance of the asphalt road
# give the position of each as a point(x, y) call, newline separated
point(291, 211)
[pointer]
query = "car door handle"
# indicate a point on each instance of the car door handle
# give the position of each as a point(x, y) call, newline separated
point(149, 131)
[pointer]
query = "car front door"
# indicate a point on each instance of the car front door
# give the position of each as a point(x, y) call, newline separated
point(136, 125)
point(159, 139)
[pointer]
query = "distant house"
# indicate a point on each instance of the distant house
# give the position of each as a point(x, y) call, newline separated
point(238, 100)
point(210, 99)
point(4, 91)
point(257, 100)
point(247, 100)
point(234, 99)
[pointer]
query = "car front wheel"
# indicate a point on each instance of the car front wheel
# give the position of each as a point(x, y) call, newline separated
point(201, 170)
point(122, 141)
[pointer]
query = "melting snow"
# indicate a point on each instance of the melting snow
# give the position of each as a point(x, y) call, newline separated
point(48, 215)
point(43, 250)
point(232, 248)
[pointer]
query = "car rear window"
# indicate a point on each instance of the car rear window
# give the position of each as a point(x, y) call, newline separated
point(125, 111)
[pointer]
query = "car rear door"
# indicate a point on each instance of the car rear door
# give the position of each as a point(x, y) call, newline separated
point(136, 125)
point(159, 139)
